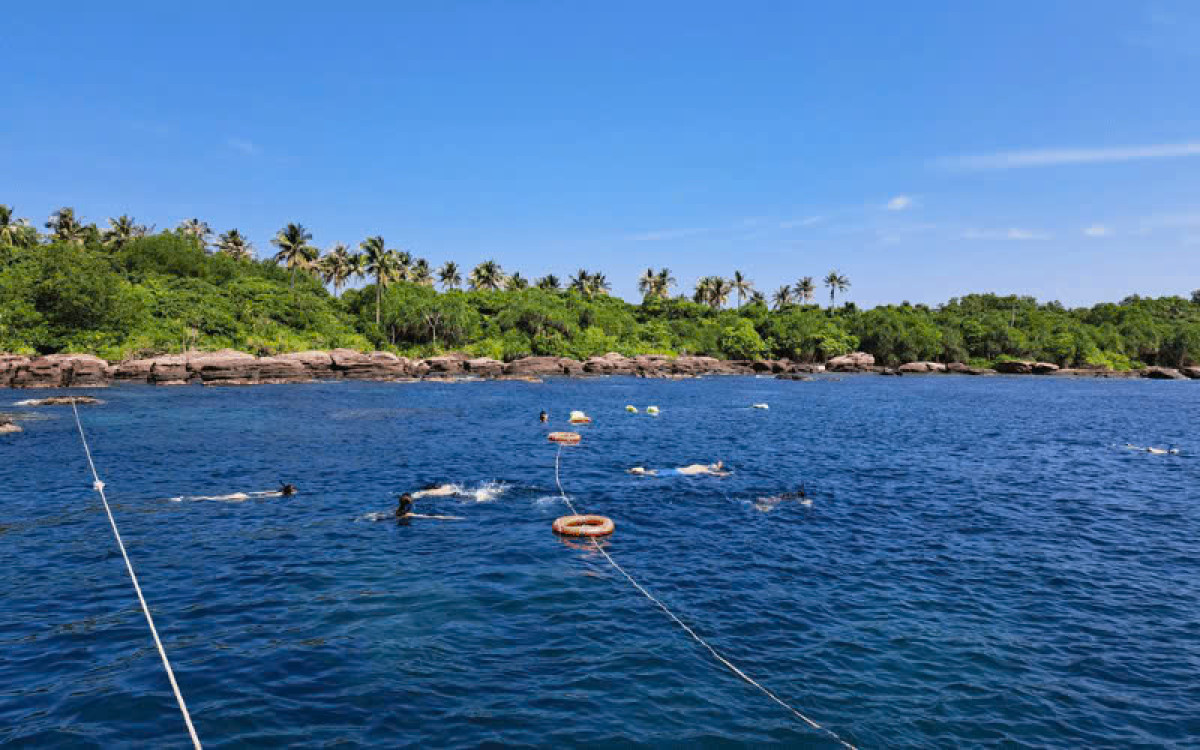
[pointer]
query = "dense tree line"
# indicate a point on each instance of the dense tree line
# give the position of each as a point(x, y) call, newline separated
point(129, 290)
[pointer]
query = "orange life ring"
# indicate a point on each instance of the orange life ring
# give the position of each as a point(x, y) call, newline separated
point(565, 438)
point(584, 526)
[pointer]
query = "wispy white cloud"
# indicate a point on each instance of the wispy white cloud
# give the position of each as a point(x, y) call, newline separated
point(900, 203)
point(1005, 234)
point(805, 222)
point(243, 146)
point(1052, 157)
point(668, 234)
point(1097, 230)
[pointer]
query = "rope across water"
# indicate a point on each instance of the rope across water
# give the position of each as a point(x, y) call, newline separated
point(99, 487)
point(716, 655)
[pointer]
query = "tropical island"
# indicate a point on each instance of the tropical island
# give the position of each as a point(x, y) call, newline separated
point(127, 292)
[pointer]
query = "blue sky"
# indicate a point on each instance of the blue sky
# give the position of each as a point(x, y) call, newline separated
point(926, 150)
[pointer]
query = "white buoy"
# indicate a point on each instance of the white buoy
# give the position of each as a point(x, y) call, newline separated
point(761, 406)
point(631, 409)
point(652, 410)
point(578, 417)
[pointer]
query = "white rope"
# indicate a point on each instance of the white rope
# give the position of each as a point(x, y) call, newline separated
point(716, 655)
point(99, 487)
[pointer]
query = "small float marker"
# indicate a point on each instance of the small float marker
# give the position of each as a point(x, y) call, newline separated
point(631, 409)
point(652, 410)
point(564, 438)
point(761, 406)
point(578, 417)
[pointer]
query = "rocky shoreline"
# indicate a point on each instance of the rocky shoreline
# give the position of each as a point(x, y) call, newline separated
point(230, 368)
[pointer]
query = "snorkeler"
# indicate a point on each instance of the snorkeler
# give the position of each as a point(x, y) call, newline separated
point(404, 504)
point(691, 470)
point(435, 490)
point(543, 417)
point(286, 490)
point(768, 504)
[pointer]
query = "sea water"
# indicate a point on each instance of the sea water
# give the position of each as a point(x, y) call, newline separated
point(983, 562)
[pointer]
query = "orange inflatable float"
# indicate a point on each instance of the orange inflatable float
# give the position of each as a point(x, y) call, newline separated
point(584, 526)
point(564, 438)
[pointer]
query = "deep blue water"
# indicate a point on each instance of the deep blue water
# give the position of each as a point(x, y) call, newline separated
point(982, 564)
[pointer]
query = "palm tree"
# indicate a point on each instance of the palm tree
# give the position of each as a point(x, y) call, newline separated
point(597, 284)
point(648, 283)
point(758, 298)
point(12, 231)
point(805, 289)
point(64, 227)
point(579, 282)
point(335, 267)
point(294, 249)
point(742, 285)
point(782, 297)
point(404, 262)
point(713, 291)
point(198, 229)
point(487, 276)
point(449, 275)
point(421, 273)
point(356, 266)
point(234, 244)
point(121, 230)
point(664, 282)
point(549, 282)
point(375, 262)
point(517, 282)
point(836, 283)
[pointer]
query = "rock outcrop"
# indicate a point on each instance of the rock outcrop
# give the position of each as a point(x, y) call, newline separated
point(1190, 372)
point(61, 401)
point(920, 367)
point(1015, 367)
point(1162, 373)
point(484, 367)
point(1045, 368)
point(7, 427)
point(852, 362)
point(61, 371)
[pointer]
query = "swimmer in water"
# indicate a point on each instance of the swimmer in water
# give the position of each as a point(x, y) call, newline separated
point(404, 504)
point(692, 470)
point(286, 490)
point(543, 417)
point(768, 504)
point(435, 490)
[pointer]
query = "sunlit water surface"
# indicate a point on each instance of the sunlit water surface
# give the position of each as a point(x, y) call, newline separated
point(983, 563)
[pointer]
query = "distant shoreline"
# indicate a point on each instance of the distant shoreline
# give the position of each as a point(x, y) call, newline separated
point(233, 368)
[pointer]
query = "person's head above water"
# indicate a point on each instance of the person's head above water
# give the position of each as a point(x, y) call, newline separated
point(544, 416)
point(287, 490)
point(404, 504)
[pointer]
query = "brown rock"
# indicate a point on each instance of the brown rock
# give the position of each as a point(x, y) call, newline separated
point(1045, 368)
point(1015, 367)
point(1162, 373)
point(536, 366)
point(316, 364)
point(853, 362)
point(609, 364)
point(374, 366)
point(8, 366)
point(171, 369)
point(61, 371)
point(60, 401)
point(447, 364)
point(484, 367)
point(282, 370)
point(921, 367)
point(1190, 372)
point(8, 428)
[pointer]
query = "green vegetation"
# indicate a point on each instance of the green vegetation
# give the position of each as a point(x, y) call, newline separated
point(127, 291)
